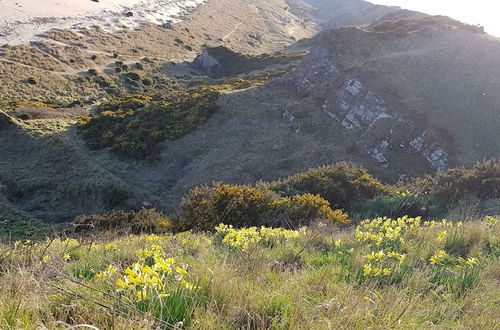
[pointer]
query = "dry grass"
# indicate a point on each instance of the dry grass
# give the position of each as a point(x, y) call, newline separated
point(246, 289)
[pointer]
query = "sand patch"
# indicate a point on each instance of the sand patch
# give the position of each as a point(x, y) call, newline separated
point(22, 21)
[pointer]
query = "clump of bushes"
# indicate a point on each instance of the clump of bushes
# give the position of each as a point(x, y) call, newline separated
point(300, 210)
point(143, 221)
point(241, 206)
point(343, 185)
point(482, 181)
point(205, 207)
point(133, 126)
point(128, 102)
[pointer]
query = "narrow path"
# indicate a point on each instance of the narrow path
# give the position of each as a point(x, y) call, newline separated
point(140, 192)
point(232, 32)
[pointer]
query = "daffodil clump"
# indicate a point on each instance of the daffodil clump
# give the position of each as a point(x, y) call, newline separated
point(385, 231)
point(457, 274)
point(443, 260)
point(152, 277)
point(388, 232)
point(382, 263)
point(244, 238)
point(490, 222)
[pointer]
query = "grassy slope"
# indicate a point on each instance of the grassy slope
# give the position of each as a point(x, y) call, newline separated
point(55, 61)
point(48, 177)
point(308, 282)
point(446, 78)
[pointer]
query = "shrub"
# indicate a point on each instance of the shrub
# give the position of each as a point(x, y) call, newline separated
point(240, 206)
point(32, 81)
point(92, 72)
point(134, 125)
point(301, 210)
point(143, 221)
point(205, 207)
point(342, 184)
point(134, 76)
point(482, 181)
point(129, 102)
point(395, 206)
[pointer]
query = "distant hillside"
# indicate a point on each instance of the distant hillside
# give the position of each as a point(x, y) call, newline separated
point(339, 13)
point(436, 74)
point(409, 96)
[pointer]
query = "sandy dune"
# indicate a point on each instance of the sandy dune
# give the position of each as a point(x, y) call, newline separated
point(22, 20)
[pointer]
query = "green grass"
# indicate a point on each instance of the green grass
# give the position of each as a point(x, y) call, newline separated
point(313, 280)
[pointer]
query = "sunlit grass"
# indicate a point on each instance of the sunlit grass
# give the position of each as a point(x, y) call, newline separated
point(401, 273)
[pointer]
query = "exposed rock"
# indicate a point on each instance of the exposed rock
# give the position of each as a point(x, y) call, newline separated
point(288, 116)
point(205, 62)
point(286, 20)
point(380, 123)
point(167, 25)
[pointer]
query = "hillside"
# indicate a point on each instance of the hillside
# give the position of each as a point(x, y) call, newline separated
point(247, 164)
point(417, 86)
point(124, 120)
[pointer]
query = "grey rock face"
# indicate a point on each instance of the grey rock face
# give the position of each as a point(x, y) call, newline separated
point(347, 100)
point(205, 62)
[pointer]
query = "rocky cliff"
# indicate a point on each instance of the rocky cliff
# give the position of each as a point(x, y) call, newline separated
point(379, 123)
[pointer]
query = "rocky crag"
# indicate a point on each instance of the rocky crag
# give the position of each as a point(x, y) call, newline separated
point(379, 123)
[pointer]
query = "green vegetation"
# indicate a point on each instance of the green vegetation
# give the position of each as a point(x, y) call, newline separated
point(397, 205)
point(16, 224)
point(134, 125)
point(206, 206)
point(143, 221)
point(482, 181)
point(32, 81)
point(403, 272)
point(343, 184)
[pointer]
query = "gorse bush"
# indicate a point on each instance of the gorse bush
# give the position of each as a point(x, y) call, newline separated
point(133, 126)
point(482, 181)
point(143, 221)
point(129, 102)
point(301, 210)
point(242, 206)
point(342, 184)
point(205, 207)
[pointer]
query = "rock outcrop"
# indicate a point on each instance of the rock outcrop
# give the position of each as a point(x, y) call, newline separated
point(205, 62)
point(379, 122)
